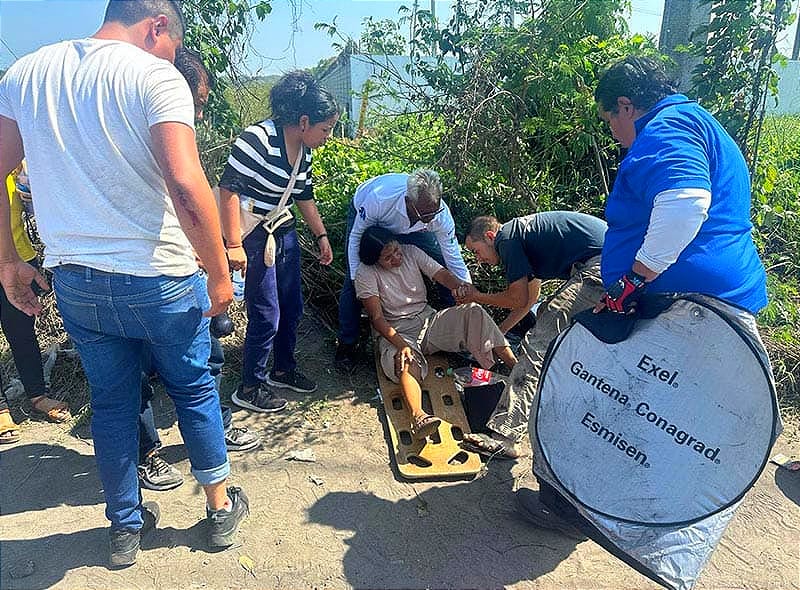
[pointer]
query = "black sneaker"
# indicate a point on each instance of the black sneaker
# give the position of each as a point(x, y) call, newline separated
point(532, 509)
point(156, 474)
point(259, 399)
point(241, 439)
point(293, 380)
point(223, 524)
point(346, 357)
point(124, 544)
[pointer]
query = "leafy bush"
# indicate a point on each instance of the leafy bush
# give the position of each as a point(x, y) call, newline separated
point(517, 132)
point(776, 219)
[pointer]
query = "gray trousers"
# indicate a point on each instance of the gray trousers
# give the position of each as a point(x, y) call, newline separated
point(581, 291)
point(453, 329)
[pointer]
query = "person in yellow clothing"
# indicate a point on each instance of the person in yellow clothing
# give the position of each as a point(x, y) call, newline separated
point(19, 330)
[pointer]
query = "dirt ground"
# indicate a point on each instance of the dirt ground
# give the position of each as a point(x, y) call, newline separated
point(345, 520)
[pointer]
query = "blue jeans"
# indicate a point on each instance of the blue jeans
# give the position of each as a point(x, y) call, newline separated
point(112, 318)
point(149, 440)
point(274, 300)
point(350, 306)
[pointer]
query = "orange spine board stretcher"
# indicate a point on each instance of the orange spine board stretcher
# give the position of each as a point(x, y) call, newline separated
point(438, 456)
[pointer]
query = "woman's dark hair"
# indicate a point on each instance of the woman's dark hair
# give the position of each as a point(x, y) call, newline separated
point(373, 241)
point(642, 79)
point(190, 64)
point(298, 93)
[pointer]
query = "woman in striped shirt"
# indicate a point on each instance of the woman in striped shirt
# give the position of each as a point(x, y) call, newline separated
point(256, 175)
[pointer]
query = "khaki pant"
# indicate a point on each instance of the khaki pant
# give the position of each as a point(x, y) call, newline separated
point(463, 327)
point(580, 292)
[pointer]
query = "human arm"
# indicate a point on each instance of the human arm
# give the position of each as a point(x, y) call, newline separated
point(447, 279)
point(515, 297)
point(675, 220)
point(362, 221)
point(231, 228)
point(308, 208)
point(175, 152)
point(513, 318)
point(445, 232)
point(405, 354)
point(15, 274)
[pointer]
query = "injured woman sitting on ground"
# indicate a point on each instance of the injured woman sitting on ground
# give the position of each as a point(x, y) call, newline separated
point(389, 283)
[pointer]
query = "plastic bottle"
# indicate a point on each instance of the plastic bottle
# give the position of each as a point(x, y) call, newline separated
point(22, 183)
point(24, 192)
point(472, 376)
point(238, 285)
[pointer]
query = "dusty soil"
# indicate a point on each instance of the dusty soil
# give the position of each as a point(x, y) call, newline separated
point(345, 520)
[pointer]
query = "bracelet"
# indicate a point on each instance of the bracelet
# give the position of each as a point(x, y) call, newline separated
point(320, 236)
point(230, 246)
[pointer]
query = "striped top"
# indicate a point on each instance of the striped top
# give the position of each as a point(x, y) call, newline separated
point(258, 169)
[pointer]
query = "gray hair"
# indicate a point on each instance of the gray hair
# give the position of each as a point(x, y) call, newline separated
point(425, 185)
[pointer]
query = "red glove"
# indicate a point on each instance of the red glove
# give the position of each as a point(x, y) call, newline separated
point(622, 296)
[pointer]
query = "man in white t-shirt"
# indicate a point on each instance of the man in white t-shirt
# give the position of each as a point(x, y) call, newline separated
point(107, 124)
point(411, 207)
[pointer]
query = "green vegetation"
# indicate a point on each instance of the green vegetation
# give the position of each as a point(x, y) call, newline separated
point(776, 216)
point(511, 125)
point(505, 112)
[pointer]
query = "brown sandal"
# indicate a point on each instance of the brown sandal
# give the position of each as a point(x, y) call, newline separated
point(9, 431)
point(51, 409)
point(424, 426)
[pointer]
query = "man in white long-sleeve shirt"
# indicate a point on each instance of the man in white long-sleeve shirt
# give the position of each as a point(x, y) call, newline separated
point(411, 207)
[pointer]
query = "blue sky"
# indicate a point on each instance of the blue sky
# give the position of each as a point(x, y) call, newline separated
point(285, 40)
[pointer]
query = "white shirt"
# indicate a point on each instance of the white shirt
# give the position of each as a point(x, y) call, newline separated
point(84, 109)
point(674, 222)
point(381, 201)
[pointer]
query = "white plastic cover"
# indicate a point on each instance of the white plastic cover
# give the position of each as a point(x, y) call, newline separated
point(656, 439)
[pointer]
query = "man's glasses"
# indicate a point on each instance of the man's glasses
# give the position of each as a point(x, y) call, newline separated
point(426, 216)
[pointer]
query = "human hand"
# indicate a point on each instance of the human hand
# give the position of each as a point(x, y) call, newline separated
point(623, 296)
point(237, 258)
point(403, 358)
point(325, 251)
point(220, 292)
point(197, 260)
point(16, 277)
point(465, 293)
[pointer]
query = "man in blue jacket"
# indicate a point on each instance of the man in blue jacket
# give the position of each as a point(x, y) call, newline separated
point(678, 216)
point(679, 212)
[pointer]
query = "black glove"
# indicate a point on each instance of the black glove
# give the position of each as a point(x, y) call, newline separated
point(221, 325)
point(622, 296)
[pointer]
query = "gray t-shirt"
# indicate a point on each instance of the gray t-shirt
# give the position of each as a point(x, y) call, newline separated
point(84, 109)
point(401, 290)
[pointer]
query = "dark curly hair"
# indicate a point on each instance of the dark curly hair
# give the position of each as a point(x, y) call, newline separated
point(642, 79)
point(298, 93)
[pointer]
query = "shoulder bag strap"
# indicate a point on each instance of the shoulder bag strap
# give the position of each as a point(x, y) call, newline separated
point(282, 203)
